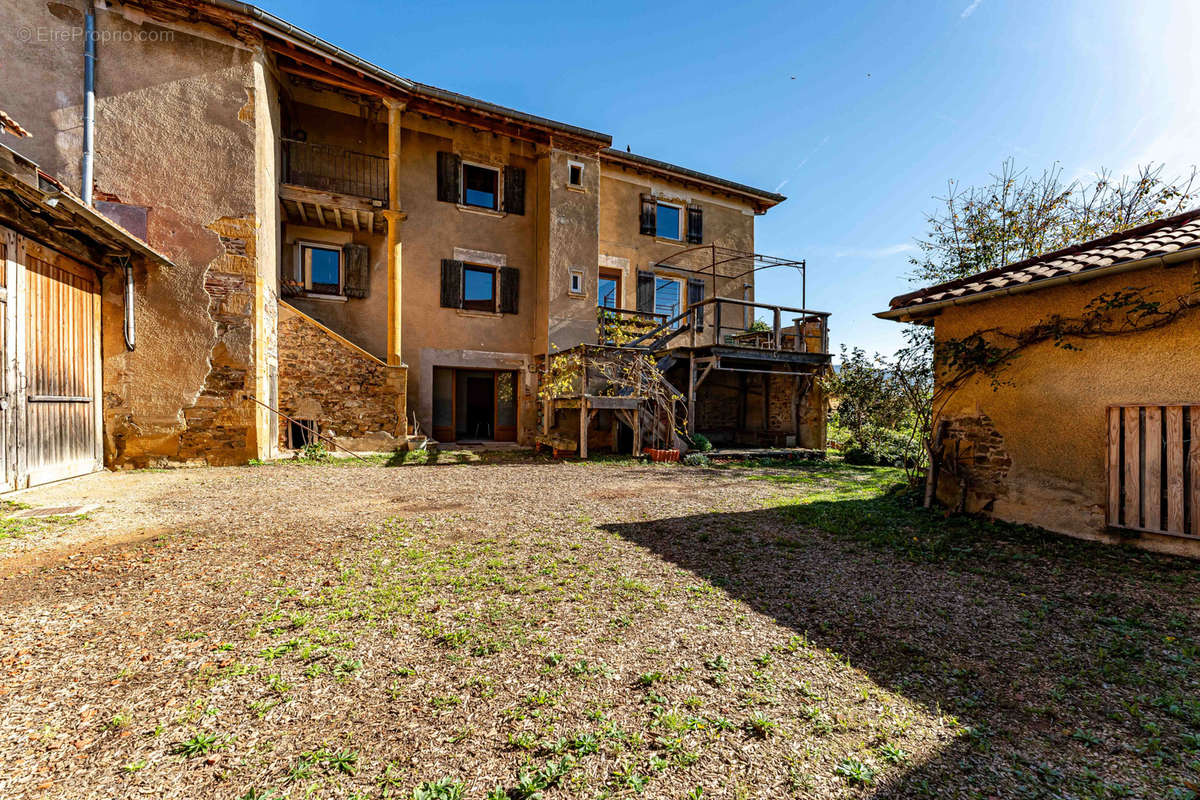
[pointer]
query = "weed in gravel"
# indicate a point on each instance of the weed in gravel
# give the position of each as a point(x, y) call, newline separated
point(893, 754)
point(199, 745)
point(761, 726)
point(135, 766)
point(441, 789)
point(855, 770)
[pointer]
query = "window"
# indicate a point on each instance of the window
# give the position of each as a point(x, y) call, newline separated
point(608, 290)
point(481, 186)
point(575, 174)
point(319, 268)
point(668, 296)
point(577, 281)
point(1154, 468)
point(668, 217)
point(479, 288)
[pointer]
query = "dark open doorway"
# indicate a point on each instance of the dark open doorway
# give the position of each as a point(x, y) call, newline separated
point(478, 415)
point(474, 405)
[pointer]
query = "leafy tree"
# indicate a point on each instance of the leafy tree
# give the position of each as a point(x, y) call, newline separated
point(1017, 215)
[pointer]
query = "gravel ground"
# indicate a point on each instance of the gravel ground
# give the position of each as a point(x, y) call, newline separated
point(578, 629)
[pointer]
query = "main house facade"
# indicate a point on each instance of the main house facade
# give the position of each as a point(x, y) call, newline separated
point(351, 252)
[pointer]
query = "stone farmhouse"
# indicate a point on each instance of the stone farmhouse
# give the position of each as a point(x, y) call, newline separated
point(224, 236)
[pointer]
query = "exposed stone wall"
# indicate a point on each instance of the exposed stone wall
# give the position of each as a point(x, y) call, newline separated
point(789, 400)
point(352, 396)
point(974, 463)
point(220, 424)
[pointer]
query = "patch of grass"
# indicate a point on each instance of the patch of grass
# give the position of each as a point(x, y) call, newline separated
point(199, 745)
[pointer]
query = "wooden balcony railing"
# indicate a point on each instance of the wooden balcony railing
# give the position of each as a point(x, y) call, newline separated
point(335, 169)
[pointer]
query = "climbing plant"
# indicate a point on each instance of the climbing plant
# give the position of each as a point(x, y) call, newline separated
point(988, 354)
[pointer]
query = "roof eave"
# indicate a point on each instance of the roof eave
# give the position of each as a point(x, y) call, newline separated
point(911, 313)
point(760, 198)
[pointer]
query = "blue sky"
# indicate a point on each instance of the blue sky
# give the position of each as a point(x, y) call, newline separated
point(858, 112)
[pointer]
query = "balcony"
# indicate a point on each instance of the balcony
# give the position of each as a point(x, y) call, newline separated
point(331, 187)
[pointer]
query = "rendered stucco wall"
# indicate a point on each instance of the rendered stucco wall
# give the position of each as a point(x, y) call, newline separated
point(727, 223)
point(177, 111)
point(1042, 436)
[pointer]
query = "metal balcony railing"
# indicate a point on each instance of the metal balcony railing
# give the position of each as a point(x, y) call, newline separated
point(329, 168)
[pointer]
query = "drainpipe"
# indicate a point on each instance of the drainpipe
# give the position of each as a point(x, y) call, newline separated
point(130, 331)
point(89, 102)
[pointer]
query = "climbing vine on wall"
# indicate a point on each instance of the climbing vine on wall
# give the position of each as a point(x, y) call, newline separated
point(988, 354)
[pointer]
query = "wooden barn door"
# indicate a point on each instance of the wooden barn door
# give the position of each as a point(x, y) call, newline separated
point(61, 431)
point(8, 360)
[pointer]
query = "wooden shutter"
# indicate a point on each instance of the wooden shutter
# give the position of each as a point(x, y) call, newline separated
point(356, 270)
point(649, 215)
point(514, 190)
point(452, 283)
point(1154, 468)
point(695, 223)
point(696, 295)
point(645, 291)
point(510, 278)
point(449, 167)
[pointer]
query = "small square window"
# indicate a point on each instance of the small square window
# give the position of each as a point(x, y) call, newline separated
point(479, 288)
point(481, 186)
point(320, 268)
point(577, 281)
point(668, 219)
point(575, 174)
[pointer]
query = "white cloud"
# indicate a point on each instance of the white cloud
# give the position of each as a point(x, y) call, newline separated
point(875, 252)
point(969, 10)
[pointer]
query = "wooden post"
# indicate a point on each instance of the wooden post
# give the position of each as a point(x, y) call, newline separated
point(583, 426)
point(637, 429)
point(717, 323)
point(1194, 469)
point(394, 217)
point(778, 335)
point(691, 409)
point(1174, 472)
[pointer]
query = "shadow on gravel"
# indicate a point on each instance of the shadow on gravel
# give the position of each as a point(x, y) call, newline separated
point(1076, 667)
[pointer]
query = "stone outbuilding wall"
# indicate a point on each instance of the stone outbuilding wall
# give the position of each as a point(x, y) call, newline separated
point(352, 396)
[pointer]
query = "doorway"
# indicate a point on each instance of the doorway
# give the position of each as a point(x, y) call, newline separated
point(474, 405)
point(478, 418)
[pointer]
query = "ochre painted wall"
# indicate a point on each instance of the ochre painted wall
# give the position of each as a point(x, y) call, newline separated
point(727, 223)
point(1049, 418)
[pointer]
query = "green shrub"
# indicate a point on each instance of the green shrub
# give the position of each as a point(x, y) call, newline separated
point(696, 460)
point(879, 447)
point(701, 443)
point(315, 451)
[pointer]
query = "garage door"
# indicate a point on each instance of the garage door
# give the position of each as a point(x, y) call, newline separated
point(60, 434)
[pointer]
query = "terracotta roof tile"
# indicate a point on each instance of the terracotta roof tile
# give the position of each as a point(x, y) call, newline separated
point(9, 125)
point(1163, 236)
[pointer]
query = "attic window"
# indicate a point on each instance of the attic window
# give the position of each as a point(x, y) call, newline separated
point(575, 174)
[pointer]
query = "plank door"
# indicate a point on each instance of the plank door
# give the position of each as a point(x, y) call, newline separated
point(61, 436)
point(8, 364)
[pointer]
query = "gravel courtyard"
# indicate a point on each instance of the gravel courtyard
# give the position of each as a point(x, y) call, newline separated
point(535, 628)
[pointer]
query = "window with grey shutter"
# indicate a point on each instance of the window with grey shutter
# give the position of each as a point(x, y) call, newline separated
point(695, 223)
point(356, 270)
point(509, 289)
point(514, 190)
point(649, 214)
point(645, 291)
point(696, 295)
point(448, 168)
point(452, 283)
